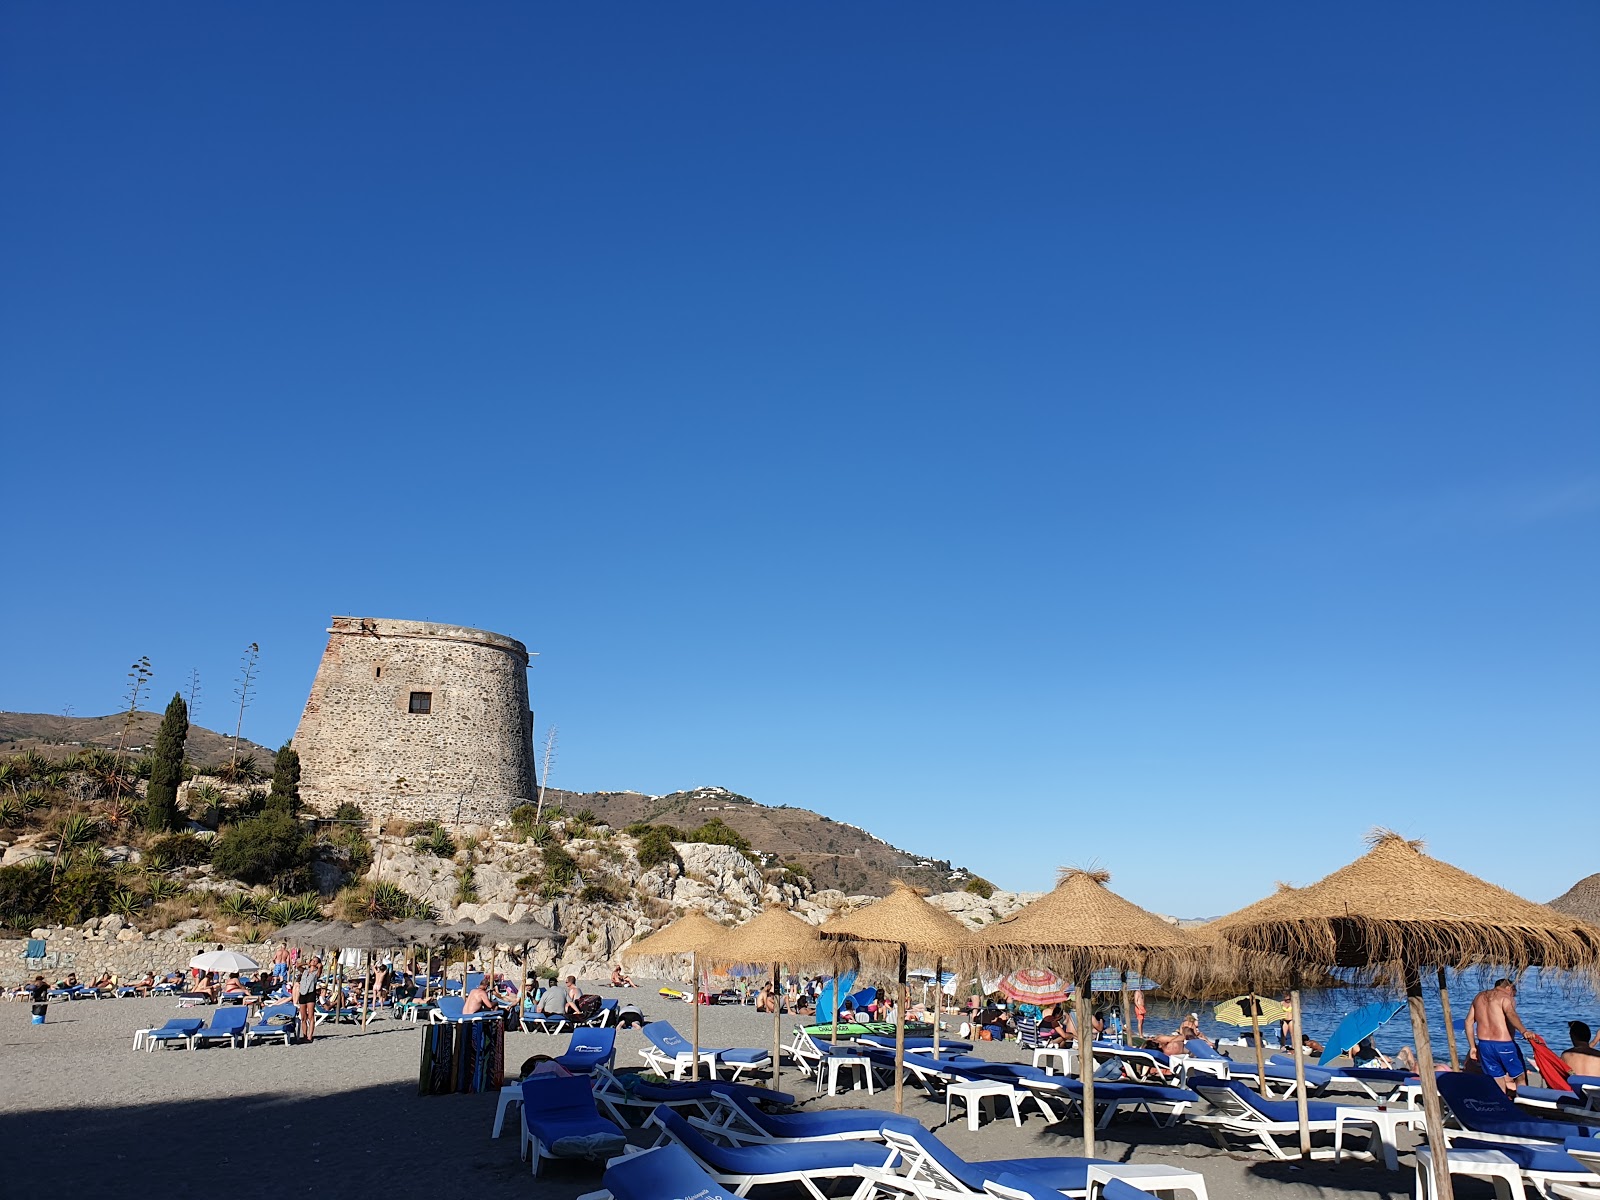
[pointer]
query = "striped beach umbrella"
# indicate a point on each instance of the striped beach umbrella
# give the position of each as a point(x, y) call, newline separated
point(1034, 985)
point(1236, 1012)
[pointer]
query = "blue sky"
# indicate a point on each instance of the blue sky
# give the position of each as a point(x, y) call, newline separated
point(1161, 435)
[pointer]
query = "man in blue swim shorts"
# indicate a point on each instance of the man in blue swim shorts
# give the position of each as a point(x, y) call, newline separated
point(1491, 1022)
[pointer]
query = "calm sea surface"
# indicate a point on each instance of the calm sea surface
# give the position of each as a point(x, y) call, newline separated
point(1546, 1005)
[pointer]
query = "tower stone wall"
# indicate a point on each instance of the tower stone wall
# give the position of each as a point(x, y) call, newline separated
point(417, 720)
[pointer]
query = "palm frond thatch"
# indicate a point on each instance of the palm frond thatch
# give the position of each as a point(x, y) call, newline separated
point(1083, 926)
point(1396, 904)
point(1581, 900)
point(902, 918)
point(691, 933)
point(776, 935)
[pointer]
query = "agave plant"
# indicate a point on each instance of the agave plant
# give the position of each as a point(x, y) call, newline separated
point(126, 903)
point(240, 904)
point(162, 887)
point(207, 802)
point(251, 935)
point(56, 780)
point(11, 812)
point(34, 799)
point(80, 829)
point(32, 763)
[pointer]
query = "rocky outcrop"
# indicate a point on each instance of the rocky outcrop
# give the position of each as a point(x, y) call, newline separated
point(975, 911)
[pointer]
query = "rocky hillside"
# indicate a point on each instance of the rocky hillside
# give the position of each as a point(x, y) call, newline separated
point(835, 854)
point(59, 737)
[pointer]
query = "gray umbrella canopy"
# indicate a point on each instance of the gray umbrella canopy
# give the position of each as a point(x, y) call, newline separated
point(526, 929)
point(418, 933)
point(332, 933)
point(372, 935)
point(491, 931)
point(296, 931)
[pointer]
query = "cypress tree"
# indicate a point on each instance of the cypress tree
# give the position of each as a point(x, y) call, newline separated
point(285, 791)
point(166, 771)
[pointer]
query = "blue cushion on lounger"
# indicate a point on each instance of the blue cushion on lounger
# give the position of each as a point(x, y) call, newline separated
point(1058, 1173)
point(770, 1160)
point(1529, 1158)
point(665, 1173)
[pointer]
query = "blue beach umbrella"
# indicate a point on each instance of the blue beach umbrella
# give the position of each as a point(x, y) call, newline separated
point(1358, 1026)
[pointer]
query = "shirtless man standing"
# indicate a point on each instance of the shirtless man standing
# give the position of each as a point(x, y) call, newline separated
point(1490, 1024)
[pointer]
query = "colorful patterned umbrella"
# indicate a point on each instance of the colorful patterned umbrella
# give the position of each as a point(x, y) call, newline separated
point(1034, 985)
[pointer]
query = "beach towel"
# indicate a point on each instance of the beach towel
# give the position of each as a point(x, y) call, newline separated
point(1551, 1068)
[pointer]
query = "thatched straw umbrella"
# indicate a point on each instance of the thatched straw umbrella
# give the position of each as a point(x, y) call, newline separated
point(691, 934)
point(1080, 926)
point(463, 930)
point(520, 933)
point(888, 933)
point(367, 937)
point(1397, 909)
point(1581, 900)
point(778, 937)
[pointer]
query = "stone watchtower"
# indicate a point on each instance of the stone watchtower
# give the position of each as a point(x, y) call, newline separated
point(417, 720)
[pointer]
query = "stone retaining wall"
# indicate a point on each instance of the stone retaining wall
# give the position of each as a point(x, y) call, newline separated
point(126, 960)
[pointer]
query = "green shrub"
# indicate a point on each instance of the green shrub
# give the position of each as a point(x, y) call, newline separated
point(181, 850)
point(466, 885)
point(25, 891)
point(716, 832)
point(523, 818)
point(382, 901)
point(798, 868)
point(82, 894)
point(655, 848)
point(166, 773)
point(430, 837)
point(602, 892)
point(979, 887)
point(285, 793)
point(350, 812)
point(585, 816)
point(272, 848)
point(560, 868)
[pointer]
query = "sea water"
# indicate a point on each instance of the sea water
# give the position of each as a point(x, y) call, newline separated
point(1545, 1002)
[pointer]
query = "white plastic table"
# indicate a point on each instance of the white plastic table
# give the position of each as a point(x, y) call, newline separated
point(847, 1062)
point(1149, 1177)
point(1481, 1164)
point(1384, 1121)
point(509, 1095)
point(1066, 1056)
point(973, 1092)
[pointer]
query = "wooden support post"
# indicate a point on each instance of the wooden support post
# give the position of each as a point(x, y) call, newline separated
point(1084, 1042)
point(1432, 1114)
point(1449, 1025)
point(777, 1026)
point(1297, 1037)
point(938, 994)
point(1261, 1053)
point(694, 1022)
point(900, 1036)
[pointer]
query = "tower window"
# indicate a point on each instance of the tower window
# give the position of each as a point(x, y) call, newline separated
point(377, 672)
point(422, 702)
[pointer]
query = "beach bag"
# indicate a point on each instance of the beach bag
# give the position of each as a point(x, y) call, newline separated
point(589, 1007)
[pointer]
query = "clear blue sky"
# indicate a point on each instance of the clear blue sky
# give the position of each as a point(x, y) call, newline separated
point(1160, 435)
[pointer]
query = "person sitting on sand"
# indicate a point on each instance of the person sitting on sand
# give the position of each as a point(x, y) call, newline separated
point(618, 979)
point(478, 1000)
point(766, 1001)
point(1582, 1057)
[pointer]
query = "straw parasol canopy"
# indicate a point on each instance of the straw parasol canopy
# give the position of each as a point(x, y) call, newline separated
point(889, 933)
point(775, 936)
point(1082, 926)
point(525, 929)
point(1581, 900)
point(877, 931)
point(372, 935)
point(1396, 904)
point(296, 931)
point(692, 933)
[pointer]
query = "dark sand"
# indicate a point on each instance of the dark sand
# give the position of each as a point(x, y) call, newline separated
point(341, 1117)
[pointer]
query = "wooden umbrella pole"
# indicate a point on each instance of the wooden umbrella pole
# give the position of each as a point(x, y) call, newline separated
point(837, 1000)
point(900, 1036)
point(366, 988)
point(1449, 1025)
point(1296, 1035)
point(694, 1023)
point(1084, 1041)
point(777, 1027)
point(1433, 1117)
point(938, 991)
point(1255, 1029)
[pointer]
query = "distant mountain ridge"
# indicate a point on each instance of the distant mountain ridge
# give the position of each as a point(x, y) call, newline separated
point(836, 854)
point(58, 737)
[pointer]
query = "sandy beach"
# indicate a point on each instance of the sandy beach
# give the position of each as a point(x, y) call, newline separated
point(80, 1108)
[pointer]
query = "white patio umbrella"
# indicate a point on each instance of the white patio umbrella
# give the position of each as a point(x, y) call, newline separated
point(223, 961)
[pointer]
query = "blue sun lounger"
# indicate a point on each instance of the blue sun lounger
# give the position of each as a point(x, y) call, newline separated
point(664, 1173)
point(1241, 1112)
point(743, 1123)
point(670, 1053)
point(1110, 1096)
point(921, 1158)
point(1020, 1187)
point(265, 1028)
point(803, 1163)
point(1482, 1109)
point(560, 1120)
point(449, 1010)
point(588, 1049)
point(227, 1025)
point(619, 1092)
point(180, 1029)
